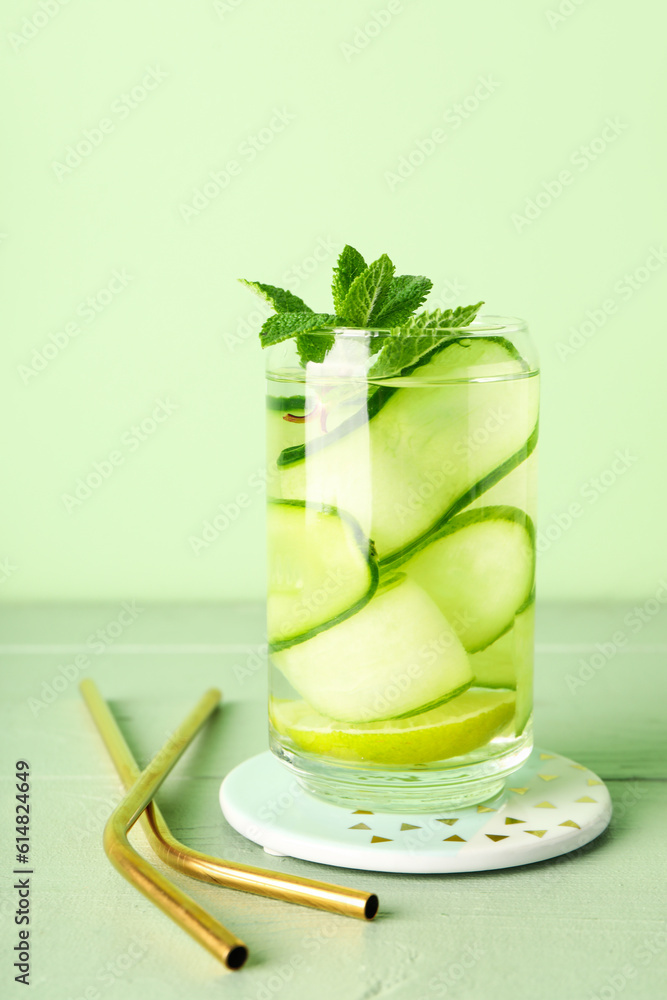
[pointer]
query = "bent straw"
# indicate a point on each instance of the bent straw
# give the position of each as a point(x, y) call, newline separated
point(290, 888)
point(224, 945)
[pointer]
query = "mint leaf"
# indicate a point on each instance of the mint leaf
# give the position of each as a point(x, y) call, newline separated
point(443, 319)
point(406, 293)
point(421, 336)
point(314, 348)
point(350, 265)
point(284, 325)
point(367, 292)
point(281, 300)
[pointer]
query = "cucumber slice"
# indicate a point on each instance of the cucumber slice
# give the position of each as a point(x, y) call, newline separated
point(427, 453)
point(479, 570)
point(395, 657)
point(508, 663)
point(322, 569)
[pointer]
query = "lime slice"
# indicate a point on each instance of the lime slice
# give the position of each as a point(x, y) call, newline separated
point(462, 725)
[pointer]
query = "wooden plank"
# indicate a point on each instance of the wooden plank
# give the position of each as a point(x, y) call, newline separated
point(578, 926)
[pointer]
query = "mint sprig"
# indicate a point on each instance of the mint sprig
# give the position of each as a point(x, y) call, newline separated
point(364, 296)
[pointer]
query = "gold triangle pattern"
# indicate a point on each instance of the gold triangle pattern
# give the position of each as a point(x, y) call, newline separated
point(585, 798)
point(545, 805)
point(546, 756)
point(519, 791)
point(579, 767)
point(409, 826)
point(570, 822)
point(592, 781)
point(459, 839)
point(380, 840)
point(362, 812)
point(510, 819)
point(485, 809)
point(536, 833)
point(547, 777)
point(359, 826)
point(497, 836)
point(449, 822)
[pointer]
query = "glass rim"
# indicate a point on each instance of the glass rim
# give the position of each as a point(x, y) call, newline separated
point(484, 325)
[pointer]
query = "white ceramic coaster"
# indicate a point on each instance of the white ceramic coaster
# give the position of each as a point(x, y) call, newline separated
point(550, 807)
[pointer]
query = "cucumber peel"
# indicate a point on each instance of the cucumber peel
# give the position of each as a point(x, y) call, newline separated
point(479, 568)
point(322, 569)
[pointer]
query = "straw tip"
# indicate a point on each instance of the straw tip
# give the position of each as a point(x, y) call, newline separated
point(237, 957)
point(371, 907)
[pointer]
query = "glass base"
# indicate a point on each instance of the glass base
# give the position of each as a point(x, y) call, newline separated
point(461, 781)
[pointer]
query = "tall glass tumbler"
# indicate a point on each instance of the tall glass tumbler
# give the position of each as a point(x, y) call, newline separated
point(401, 549)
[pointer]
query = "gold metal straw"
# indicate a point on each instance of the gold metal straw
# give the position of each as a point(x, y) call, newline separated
point(226, 947)
point(290, 888)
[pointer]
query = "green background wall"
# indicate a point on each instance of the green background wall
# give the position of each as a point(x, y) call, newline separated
point(167, 94)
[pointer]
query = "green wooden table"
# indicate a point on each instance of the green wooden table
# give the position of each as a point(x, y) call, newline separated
point(583, 926)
